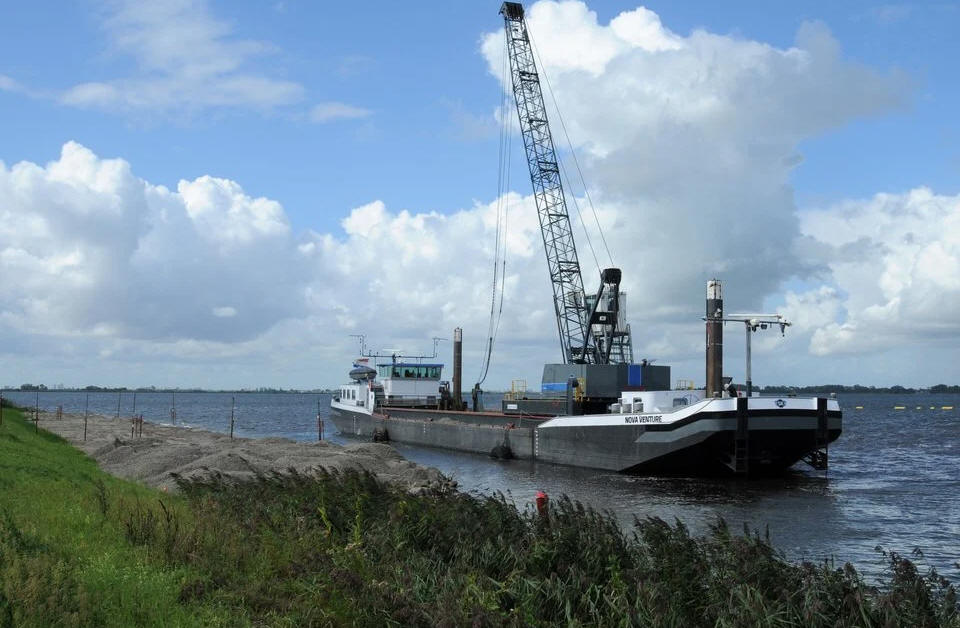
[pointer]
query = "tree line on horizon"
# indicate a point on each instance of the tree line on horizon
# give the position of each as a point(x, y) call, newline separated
point(150, 389)
point(857, 388)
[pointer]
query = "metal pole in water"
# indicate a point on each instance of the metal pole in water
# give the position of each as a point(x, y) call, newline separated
point(714, 318)
point(749, 377)
point(86, 409)
point(232, 405)
point(458, 368)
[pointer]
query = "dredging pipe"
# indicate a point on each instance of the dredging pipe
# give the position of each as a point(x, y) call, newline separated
point(458, 368)
point(714, 319)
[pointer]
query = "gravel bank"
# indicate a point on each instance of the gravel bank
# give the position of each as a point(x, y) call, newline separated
point(164, 450)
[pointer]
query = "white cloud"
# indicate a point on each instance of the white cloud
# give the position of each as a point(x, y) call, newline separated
point(7, 84)
point(688, 143)
point(110, 265)
point(895, 262)
point(186, 59)
point(329, 111)
point(95, 250)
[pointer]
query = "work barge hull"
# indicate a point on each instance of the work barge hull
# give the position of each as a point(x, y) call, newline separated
point(719, 436)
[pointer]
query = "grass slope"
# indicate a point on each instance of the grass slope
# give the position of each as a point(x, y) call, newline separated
point(64, 560)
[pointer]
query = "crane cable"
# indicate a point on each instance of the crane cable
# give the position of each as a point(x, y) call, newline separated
point(563, 126)
point(500, 243)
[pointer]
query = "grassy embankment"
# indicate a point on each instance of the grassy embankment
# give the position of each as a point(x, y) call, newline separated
point(64, 555)
point(79, 547)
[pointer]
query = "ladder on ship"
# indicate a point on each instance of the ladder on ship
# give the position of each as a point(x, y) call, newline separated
point(819, 457)
point(741, 439)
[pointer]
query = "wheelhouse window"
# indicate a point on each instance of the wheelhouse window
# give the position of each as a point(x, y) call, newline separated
point(409, 371)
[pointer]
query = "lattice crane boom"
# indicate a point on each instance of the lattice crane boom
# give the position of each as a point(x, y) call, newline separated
point(562, 262)
point(589, 326)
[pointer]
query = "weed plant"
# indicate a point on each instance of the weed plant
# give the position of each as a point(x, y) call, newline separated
point(344, 548)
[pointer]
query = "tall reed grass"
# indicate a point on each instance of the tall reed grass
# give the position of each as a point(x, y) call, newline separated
point(345, 548)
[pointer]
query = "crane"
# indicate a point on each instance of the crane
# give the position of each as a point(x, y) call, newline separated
point(589, 326)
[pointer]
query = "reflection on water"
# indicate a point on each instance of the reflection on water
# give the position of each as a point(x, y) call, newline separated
point(894, 478)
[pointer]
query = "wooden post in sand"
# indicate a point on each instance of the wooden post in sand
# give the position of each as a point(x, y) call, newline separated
point(232, 405)
point(86, 408)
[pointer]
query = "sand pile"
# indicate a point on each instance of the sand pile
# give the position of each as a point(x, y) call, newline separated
point(165, 450)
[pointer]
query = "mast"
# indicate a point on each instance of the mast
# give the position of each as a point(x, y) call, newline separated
point(562, 262)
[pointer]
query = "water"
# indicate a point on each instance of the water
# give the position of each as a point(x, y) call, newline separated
point(894, 478)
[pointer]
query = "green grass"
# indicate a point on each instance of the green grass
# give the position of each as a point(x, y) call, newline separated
point(80, 548)
point(64, 557)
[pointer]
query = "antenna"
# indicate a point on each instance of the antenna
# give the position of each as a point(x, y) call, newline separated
point(361, 338)
point(436, 341)
point(393, 354)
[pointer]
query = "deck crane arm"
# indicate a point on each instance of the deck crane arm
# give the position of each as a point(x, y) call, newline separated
point(586, 329)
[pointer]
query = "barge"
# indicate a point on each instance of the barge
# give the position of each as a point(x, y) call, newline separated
point(616, 417)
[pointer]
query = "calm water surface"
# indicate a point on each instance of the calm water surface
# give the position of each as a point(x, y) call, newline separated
point(894, 478)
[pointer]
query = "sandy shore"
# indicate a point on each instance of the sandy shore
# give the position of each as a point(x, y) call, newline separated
point(187, 452)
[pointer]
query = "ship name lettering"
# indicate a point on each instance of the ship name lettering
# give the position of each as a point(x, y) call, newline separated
point(655, 418)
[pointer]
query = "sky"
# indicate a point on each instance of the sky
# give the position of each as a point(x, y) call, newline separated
point(224, 194)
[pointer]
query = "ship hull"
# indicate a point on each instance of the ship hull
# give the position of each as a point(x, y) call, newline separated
point(713, 437)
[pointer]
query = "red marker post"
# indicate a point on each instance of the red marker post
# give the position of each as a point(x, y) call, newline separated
point(541, 502)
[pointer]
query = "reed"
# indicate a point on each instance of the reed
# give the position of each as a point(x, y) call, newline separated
point(345, 548)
